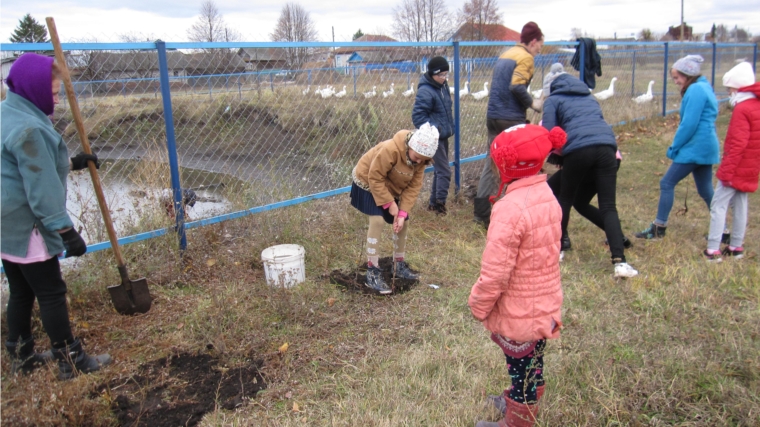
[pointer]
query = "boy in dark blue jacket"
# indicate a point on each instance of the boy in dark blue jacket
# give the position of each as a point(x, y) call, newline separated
point(433, 105)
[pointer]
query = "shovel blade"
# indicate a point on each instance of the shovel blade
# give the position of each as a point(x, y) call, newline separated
point(131, 301)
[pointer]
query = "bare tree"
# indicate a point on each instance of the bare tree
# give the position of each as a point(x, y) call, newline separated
point(646, 35)
point(739, 34)
point(210, 26)
point(295, 25)
point(475, 14)
point(422, 21)
point(576, 33)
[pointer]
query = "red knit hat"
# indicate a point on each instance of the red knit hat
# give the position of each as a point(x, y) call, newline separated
point(530, 32)
point(520, 151)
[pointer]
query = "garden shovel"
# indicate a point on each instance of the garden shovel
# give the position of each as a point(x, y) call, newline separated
point(130, 296)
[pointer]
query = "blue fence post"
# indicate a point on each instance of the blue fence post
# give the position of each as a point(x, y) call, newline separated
point(457, 167)
point(171, 144)
point(633, 75)
point(715, 59)
point(582, 63)
point(271, 82)
point(754, 57)
point(665, 82)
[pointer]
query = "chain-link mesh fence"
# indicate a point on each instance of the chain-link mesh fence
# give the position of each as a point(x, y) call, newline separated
point(264, 123)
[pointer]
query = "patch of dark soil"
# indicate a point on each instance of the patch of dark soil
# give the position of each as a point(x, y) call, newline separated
point(355, 280)
point(179, 390)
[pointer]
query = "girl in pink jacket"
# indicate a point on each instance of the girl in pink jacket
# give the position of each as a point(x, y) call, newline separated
point(518, 296)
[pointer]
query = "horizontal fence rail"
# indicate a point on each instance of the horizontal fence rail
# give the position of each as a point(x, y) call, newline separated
point(255, 126)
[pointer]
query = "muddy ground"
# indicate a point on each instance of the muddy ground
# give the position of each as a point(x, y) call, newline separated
point(180, 389)
point(355, 280)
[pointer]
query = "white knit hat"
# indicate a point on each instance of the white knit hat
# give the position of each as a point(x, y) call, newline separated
point(425, 140)
point(689, 65)
point(740, 76)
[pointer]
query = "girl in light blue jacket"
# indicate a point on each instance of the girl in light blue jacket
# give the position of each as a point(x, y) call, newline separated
point(695, 147)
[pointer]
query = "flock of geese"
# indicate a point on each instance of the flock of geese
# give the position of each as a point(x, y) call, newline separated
point(329, 91)
point(610, 92)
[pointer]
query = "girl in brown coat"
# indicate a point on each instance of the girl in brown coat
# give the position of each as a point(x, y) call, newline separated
point(386, 183)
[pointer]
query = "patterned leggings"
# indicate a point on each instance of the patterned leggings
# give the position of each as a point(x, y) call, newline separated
point(526, 374)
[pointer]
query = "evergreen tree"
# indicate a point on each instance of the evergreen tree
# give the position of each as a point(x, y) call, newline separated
point(358, 34)
point(29, 31)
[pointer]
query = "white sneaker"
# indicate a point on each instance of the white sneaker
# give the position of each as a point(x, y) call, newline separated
point(623, 269)
point(561, 256)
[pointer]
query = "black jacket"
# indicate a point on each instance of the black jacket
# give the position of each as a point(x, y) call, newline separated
point(592, 61)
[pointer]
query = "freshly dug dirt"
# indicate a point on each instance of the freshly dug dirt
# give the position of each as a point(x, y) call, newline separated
point(355, 280)
point(178, 390)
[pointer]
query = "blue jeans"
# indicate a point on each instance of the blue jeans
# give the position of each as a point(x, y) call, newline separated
point(441, 173)
point(676, 172)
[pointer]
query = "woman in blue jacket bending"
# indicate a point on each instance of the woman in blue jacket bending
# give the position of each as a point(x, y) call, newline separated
point(695, 147)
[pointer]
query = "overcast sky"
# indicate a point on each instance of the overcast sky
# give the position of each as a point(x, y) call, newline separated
point(106, 20)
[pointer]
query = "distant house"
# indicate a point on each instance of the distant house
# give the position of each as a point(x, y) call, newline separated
point(216, 68)
point(370, 58)
point(263, 59)
point(470, 31)
point(674, 33)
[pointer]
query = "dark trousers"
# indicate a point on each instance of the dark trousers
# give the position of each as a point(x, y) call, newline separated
point(582, 202)
point(595, 164)
point(527, 374)
point(43, 281)
point(441, 173)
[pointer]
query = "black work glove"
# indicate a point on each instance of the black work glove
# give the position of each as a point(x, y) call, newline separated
point(73, 242)
point(79, 161)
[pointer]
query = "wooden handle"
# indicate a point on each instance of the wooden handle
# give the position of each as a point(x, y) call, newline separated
point(83, 137)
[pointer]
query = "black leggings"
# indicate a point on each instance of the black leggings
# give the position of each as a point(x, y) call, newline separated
point(595, 164)
point(527, 374)
point(43, 281)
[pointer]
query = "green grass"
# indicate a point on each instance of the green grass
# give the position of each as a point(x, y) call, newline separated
point(678, 345)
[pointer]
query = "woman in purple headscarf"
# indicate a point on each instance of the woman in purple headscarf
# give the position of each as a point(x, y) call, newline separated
point(35, 224)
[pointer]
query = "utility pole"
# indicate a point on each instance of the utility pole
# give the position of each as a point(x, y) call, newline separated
point(681, 20)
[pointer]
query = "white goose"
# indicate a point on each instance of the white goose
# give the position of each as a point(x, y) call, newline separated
point(371, 94)
point(537, 93)
point(327, 92)
point(641, 99)
point(607, 93)
point(389, 93)
point(481, 94)
point(465, 91)
point(342, 93)
point(306, 91)
point(408, 93)
point(317, 92)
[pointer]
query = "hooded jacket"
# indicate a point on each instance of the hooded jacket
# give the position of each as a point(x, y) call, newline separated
point(740, 166)
point(696, 140)
point(433, 104)
point(35, 164)
point(385, 171)
point(519, 294)
point(572, 107)
point(508, 98)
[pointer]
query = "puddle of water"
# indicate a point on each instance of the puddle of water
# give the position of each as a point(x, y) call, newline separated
point(130, 202)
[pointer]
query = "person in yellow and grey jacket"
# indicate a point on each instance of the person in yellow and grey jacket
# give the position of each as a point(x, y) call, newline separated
point(508, 102)
point(386, 183)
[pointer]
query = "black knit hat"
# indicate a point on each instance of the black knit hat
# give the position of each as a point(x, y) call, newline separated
point(437, 65)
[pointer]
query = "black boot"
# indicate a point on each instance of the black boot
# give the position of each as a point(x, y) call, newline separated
point(376, 282)
point(72, 360)
point(23, 357)
point(565, 244)
point(438, 207)
point(483, 211)
point(404, 272)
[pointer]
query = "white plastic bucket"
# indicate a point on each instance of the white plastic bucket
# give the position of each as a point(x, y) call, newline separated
point(284, 265)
